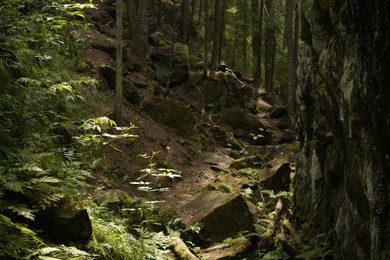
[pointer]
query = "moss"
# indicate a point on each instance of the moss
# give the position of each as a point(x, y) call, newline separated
point(183, 51)
point(223, 187)
point(247, 162)
point(174, 114)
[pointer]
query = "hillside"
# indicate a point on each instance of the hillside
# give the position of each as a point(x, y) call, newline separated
point(208, 134)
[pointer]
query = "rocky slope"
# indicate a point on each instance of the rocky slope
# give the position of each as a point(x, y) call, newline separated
point(222, 138)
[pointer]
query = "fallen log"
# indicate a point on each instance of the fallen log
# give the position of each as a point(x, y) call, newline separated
point(181, 251)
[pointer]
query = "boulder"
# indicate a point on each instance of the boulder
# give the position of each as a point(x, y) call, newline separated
point(276, 175)
point(220, 215)
point(173, 66)
point(65, 227)
point(172, 113)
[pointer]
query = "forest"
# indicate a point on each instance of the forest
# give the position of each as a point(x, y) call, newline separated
point(194, 129)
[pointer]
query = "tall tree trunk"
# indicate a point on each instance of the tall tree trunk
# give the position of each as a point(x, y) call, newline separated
point(199, 21)
point(119, 62)
point(221, 34)
point(290, 53)
point(255, 15)
point(143, 15)
point(206, 47)
point(185, 21)
point(257, 76)
point(216, 33)
point(159, 13)
point(270, 46)
point(244, 54)
point(131, 7)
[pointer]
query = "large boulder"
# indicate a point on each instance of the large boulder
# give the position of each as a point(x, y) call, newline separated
point(276, 174)
point(172, 67)
point(71, 226)
point(172, 113)
point(220, 215)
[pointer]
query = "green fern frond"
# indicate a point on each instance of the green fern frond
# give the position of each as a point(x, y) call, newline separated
point(22, 210)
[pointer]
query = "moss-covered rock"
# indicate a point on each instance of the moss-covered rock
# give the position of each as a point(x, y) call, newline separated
point(172, 113)
point(220, 215)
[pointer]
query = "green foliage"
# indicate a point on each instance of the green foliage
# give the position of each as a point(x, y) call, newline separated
point(111, 239)
point(318, 247)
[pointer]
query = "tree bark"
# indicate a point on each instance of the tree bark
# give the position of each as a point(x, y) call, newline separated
point(258, 53)
point(119, 62)
point(270, 46)
point(143, 15)
point(206, 47)
point(185, 21)
point(216, 33)
point(131, 7)
point(290, 53)
point(221, 33)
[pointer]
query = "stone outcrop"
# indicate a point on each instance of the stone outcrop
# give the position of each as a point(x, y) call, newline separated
point(343, 179)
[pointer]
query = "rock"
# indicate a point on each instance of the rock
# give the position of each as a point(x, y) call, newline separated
point(172, 113)
point(220, 215)
point(244, 125)
point(163, 58)
point(130, 93)
point(276, 175)
point(66, 227)
point(108, 74)
point(278, 112)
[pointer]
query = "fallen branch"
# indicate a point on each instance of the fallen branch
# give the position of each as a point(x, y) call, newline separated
point(271, 221)
point(181, 250)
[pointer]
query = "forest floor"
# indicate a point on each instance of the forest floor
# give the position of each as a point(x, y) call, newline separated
point(200, 163)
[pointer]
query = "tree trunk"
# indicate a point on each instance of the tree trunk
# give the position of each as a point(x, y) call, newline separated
point(131, 7)
point(258, 55)
point(143, 19)
point(290, 53)
point(221, 35)
point(119, 62)
point(255, 12)
point(216, 33)
point(206, 46)
point(185, 21)
point(270, 46)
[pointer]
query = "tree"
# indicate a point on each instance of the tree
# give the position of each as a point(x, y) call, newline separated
point(138, 14)
point(216, 34)
point(290, 52)
point(257, 32)
point(270, 46)
point(185, 21)
point(119, 62)
point(206, 43)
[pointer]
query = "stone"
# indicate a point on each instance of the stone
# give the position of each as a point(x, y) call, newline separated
point(220, 215)
point(66, 227)
point(276, 174)
point(278, 112)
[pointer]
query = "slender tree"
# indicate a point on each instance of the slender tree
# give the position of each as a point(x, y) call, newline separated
point(131, 7)
point(216, 34)
point(206, 43)
point(143, 15)
point(119, 62)
point(270, 46)
point(255, 11)
point(290, 52)
point(258, 57)
point(221, 32)
point(185, 21)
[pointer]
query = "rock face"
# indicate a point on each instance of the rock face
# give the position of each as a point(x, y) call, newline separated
point(343, 180)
